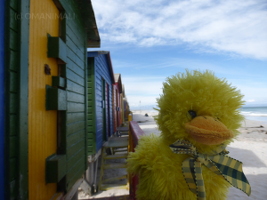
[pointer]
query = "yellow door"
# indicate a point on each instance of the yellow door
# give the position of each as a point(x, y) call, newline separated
point(44, 19)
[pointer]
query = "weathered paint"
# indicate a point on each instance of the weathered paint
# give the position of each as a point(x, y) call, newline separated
point(2, 102)
point(44, 19)
point(100, 81)
point(16, 96)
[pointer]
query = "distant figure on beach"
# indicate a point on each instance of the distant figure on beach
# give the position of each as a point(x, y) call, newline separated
point(146, 115)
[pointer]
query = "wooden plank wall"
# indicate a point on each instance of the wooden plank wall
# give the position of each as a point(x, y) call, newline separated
point(91, 112)
point(2, 98)
point(74, 125)
point(12, 95)
point(75, 115)
point(115, 105)
point(76, 94)
point(16, 80)
point(102, 73)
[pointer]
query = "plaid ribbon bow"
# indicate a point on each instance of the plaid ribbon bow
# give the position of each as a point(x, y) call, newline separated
point(219, 163)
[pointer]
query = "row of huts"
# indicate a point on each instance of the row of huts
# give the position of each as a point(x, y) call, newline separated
point(59, 102)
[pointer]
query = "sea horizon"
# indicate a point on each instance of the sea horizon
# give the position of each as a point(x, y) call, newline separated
point(255, 113)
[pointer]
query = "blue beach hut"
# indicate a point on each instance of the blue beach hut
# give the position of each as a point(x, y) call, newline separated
point(100, 78)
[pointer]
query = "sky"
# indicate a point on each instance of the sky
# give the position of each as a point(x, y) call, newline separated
point(149, 41)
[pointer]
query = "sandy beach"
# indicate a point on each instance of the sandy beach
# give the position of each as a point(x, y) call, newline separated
point(250, 147)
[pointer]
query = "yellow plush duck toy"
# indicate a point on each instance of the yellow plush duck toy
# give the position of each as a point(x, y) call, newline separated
point(198, 117)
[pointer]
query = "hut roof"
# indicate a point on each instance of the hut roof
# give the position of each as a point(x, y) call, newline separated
point(107, 55)
point(118, 81)
point(88, 16)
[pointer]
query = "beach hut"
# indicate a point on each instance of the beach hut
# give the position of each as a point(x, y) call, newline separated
point(57, 96)
point(100, 79)
point(2, 97)
point(45, 116)
point(117, 103)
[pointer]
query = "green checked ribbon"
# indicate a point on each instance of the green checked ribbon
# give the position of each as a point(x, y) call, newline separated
point(219, 163)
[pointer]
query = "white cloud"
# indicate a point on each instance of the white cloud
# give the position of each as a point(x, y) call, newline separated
point(142, 90)
point(143, 85)
point(254, 95)
point(146, 95)
point(250, 100)
point(226, 25)
point(254, 92)
point(136, 101)
point(151, 41)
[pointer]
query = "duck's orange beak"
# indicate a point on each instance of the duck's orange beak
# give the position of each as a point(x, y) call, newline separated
point(208, 130)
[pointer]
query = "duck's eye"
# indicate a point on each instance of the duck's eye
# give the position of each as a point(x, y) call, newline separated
point(192, 113)
point(217, 118)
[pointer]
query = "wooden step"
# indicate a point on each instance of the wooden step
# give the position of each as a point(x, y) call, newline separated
point(116, 150)
point(116, 142)
point(114, 186)
point(116, 156)
point(114, 165)
point(115, 178)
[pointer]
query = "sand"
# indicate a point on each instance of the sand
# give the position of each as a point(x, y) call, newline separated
point(250, 147)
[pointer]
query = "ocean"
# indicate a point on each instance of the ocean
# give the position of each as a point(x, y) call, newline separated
point(255, 113)
point(251, 113)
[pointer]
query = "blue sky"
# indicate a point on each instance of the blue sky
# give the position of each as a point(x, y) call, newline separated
point(151, 40)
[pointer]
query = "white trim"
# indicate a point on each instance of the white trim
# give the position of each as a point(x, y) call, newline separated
point(93, 158)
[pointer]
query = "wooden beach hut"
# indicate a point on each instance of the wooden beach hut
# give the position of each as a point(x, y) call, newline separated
point(100, 80)
point(45, 93)
point(57, 96)
point(117, 103)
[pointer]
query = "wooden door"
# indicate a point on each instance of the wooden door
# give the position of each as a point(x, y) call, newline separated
point(108, 117)
point(104, 115)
